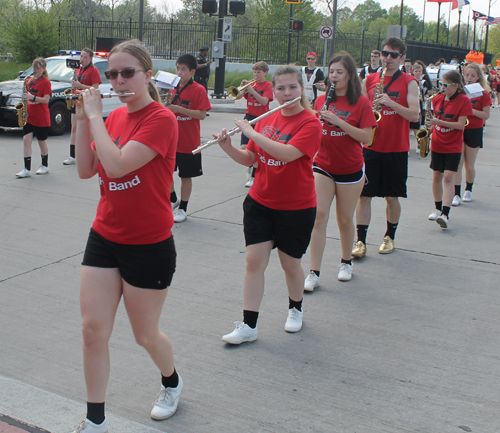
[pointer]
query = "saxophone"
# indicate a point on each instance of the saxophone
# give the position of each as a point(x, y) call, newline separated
point(70, 103)
point(423, 133)
point(377, 91)
point(22, 107)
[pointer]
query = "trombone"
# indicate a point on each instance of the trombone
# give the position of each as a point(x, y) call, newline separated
point(233, 92)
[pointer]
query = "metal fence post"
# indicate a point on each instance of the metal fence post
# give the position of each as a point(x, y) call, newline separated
point(297, 53)
point(130, 28)
point(92, 35)
point(257, 48)
point(362, 46)
point(171, 37)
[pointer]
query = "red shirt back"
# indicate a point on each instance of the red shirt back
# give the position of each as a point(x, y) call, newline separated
point(339, 153)
point(88, 76)
point(38, 113)
point(393, 131)
point(477, 104)
point(136, 209)
point(193, 97)
point(254, 108)
point(448, 140)
point(280, 185)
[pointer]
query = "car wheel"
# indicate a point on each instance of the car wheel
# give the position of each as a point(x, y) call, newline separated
point(59, 118)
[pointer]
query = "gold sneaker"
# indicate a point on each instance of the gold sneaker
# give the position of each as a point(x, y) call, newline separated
point(387, 246)
point(359, 250)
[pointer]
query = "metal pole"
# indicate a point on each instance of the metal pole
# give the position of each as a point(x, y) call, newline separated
point(324, 56)
point(401, 17)
point(487, 28)
point(290, 33)
point(439, 19)
point(474, 38)
point(334, 24)
point(468, 28)
point(458, 33)
point(141, 18)
point(448, 35)
point(423, 22)
point(220, 71)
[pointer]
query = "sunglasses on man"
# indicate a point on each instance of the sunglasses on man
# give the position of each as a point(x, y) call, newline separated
point(393, 54)
point(112, 74)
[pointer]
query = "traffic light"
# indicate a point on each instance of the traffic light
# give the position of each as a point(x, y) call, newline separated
point(236, 7)
point(209, 7)
point(297, 25)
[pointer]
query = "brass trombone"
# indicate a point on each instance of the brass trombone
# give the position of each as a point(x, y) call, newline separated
point(233, 92)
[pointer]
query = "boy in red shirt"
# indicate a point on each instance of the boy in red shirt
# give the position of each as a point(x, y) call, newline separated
point(258, 97)
point(190, 103)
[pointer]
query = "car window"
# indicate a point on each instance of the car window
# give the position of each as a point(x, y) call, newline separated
point(102, 66)
point(57, 70)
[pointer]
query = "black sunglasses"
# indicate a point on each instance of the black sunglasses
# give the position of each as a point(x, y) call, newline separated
point(393, 54)
point(125, 73)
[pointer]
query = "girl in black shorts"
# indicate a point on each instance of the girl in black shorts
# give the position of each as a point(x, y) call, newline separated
point(130, 252)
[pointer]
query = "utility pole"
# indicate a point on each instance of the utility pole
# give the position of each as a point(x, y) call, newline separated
point(220, 71)
point(334, 24)
point(141, 18)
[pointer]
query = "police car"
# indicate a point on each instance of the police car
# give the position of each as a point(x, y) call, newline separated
point(60, 76)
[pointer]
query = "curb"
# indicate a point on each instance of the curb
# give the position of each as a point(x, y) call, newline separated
point(18, 426)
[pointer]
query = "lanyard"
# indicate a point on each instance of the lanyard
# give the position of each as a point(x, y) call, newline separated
point(394, 78)
point(178, 93)
point(443, 105)
point(82, 72)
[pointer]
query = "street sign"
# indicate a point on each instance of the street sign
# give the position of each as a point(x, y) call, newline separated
point(293, 2)
point(227, 29)
point(326, 32)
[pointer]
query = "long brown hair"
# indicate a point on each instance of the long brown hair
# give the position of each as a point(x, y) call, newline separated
point(292, 70)
point(353, 85)
point(454, 77)
point(40, 62)
point(482, 79)
point(135, 48)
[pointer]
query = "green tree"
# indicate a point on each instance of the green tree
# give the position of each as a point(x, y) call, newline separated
point(368, 11)
point(276, 14)
point(410, 19)
point(379, 26)
point(494, 43)
point(192, 13)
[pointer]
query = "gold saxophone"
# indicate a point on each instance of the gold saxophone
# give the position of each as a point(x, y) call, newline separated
point(377, 91)
point(70, 103)
point(423, 133)
point(22, 107)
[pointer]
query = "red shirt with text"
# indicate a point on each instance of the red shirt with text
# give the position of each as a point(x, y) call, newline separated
point(477, 104)
point(38, 113)
point(88, 76)
point(254, 108)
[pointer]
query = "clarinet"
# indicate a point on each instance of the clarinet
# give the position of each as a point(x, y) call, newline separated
point(329, 96)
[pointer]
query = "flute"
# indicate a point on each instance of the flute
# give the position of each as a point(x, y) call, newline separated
point(237, 128)
point(103, 95)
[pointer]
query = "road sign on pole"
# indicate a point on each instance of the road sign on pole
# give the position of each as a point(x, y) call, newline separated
point(326, 32)
point(227, 29)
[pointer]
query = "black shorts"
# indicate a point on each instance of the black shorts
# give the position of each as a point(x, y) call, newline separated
point(188, 165)
point(445, 161)
point(289, 229)
point(244, 138)
point(149, 266)
point(342, 179)
point(498, 87)
point(40, 132)
point(474, 137)
point(415, 125)
point(386, 174)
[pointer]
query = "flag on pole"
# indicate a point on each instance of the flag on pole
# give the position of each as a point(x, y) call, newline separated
point(479, 16)
point(459, 4)
point(439, 1)
point(491, 20)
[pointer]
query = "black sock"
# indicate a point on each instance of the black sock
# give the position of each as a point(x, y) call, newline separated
point(183, 205)
point(439, 205)
point(45, 160)
point(250, 318)
point(173, 197)
point(349, 262)
point(27, 163)
point(446, 211)
point(95, 412)
point(316, 272)
point(253, 171)
point(72, 150)
point(391, 230)
point(362, 232)
point(468, 186)
point(170, 381)
point(458, 189)
point(294, 304)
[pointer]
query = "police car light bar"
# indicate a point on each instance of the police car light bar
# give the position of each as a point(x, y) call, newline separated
point(69, 52)
point(101, 54)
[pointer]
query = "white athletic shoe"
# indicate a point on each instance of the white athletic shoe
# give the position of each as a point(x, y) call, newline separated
point(24, 173)
point(311, 282)
point(180, 215)
point(467, 196)
point(42, 170)
point(166, 403)
point(345, 272)
point(294, 320)
point(434, 215)
point(87, 426)
point(241, 334)
point(442, 220)
point(69, 161)
point(176, 204)
point(456, 201)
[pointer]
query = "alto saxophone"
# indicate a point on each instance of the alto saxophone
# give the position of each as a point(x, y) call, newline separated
point(423, 133)
point(377, 91)
point(70, 103)
point(22, 107)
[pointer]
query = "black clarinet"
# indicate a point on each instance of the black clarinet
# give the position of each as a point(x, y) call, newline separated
point(329, 97)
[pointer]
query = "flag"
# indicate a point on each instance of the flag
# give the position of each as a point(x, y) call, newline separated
point(459, 4)
point(439, 1)
point(479, 16)
point(491, 20)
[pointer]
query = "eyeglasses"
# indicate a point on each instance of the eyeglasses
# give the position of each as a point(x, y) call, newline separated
point(125, 73)
point(311, 58)
point(393, 54)
point(447, 84)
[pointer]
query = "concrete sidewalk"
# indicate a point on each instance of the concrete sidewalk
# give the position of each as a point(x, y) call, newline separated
point(410, 344)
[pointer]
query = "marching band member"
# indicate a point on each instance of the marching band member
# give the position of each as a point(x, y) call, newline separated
point(280, 208)
point(387, 159)
point(130, 252)
point(312, 77)
point(37, 96)
point(339, 166)
point(451, 109)
point(473, 133)
point(87, 76)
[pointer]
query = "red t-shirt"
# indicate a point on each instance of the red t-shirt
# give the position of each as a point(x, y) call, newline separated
point(339, 153)
point(280, 185)
point(136, 209)
point(393, 131)
point(88, 76)
point(478, 104)
point(193, 97)
point(254, 108)
point(448, 140)
point(38, 113)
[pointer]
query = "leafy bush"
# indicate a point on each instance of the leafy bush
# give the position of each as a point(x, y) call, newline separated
point(9, 70)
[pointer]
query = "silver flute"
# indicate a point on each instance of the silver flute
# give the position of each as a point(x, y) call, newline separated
point(237, 129)
point(103, 95)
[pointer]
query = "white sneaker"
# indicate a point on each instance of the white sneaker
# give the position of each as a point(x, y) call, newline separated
point(24, 173)
point(176, 204)
point(180, 215)
point(434, 215)
point(69, 161)
point(467, 197)
point(442, 220)
point(42, 170)
point(345, 272)
point(249, 172)
point(311, 282)
point(294, 320)
point(249, 182)
point(166, 403)
point(241, 334)
point(87, 426)
point(417, 151)
point(456, 201)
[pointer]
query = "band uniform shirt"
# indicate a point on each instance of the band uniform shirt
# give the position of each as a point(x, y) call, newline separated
point(309, 78)
point(203, 73)
point(193, 97)
point(339, 153)
point(88, 76)
point(38, 113)
point(368, 70)
point(280, 185)
point(477, 104)
point(449, 140)
point(254, 108)
point(135, 209)
point(393, 131)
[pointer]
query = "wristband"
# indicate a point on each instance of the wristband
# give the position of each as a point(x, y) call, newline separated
point(34, 97)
